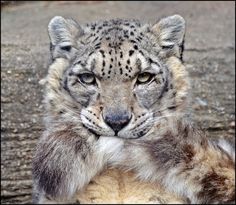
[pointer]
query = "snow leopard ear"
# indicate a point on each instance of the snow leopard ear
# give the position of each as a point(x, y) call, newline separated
point(170, 33)
point(63, 34)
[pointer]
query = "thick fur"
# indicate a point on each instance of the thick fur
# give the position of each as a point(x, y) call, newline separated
point(159, 146)
point(118, 187)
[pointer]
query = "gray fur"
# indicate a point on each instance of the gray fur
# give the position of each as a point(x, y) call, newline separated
point(156, 141)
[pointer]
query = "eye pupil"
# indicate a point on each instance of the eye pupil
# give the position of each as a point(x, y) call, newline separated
point(87, 78)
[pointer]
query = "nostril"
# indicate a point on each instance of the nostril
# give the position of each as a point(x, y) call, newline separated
point(117, 122)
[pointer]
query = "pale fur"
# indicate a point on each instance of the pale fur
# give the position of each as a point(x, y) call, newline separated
point(159, 156)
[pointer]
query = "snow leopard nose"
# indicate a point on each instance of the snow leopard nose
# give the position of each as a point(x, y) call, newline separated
point(117, 121)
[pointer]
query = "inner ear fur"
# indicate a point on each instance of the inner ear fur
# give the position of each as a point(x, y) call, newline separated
point(170, 32)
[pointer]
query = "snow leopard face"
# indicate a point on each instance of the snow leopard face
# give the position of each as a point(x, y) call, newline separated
point(118, 77)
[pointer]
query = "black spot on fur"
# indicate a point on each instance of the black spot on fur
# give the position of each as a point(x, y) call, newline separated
point(105, 24)
point(172, 108)
point(95, 39)
point(181, 51)
point(90, 54)
point(167, 47)
point(125, 32)
point(62, 111)
point(102, 52)
point(131, 52)
point(150, 60)
point(141, 52)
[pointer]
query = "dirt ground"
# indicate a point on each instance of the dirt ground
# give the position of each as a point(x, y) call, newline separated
point(209, 56)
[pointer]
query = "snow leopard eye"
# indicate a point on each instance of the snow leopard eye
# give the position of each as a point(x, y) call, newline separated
point(87, 78)
point(144, 78)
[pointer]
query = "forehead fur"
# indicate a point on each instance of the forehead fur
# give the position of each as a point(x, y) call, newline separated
point(123, 48)
point(116, 48)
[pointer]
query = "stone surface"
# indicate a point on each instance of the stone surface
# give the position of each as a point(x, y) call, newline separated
point(209, 56)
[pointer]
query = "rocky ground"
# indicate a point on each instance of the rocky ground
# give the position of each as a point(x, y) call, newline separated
point(209, 56)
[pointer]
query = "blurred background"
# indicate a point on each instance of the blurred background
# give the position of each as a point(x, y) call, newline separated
point(209, 57)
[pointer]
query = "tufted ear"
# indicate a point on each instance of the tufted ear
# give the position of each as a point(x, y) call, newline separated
point(63, 34)
point(170, 32)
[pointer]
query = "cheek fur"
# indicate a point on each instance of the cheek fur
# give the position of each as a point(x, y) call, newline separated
point(82, 95)
point(147, 96)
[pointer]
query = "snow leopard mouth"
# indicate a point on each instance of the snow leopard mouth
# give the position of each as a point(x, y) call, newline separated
point(140, 134)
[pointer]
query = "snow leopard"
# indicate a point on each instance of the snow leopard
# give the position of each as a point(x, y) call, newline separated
point(117, 94)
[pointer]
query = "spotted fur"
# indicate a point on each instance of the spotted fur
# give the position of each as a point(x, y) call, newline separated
point(114, 120)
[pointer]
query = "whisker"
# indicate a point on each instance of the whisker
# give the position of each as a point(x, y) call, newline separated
point(70, 109)
point(174, 105)
point(165, 116)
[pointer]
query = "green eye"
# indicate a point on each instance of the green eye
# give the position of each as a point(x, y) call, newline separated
point(87, 78)
point(144, 78)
